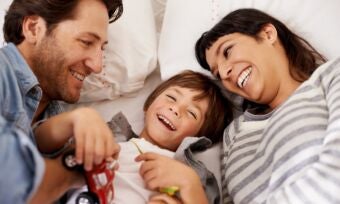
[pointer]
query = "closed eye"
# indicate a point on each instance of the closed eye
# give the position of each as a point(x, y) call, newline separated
point(171, 97)
point(193, 114)
point(217, 75)
point(87, 43)
point(227, 51)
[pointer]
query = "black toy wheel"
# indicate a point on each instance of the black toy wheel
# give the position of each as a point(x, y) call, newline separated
point(87, 198)
point(69, 160)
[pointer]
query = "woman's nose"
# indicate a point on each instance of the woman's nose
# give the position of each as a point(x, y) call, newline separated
point(225, 72)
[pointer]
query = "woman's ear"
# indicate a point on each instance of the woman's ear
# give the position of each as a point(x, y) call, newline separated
point(269, 33)
point(33, 27)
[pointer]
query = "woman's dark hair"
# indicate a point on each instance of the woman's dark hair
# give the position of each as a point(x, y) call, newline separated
point(52, 11)
point(219, 113)
point(303, 58)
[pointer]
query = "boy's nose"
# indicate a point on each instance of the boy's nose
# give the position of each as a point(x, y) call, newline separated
point(174, 110)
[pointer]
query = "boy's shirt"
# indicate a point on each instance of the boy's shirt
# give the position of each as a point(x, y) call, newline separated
point(185, 153)
point(129, 186)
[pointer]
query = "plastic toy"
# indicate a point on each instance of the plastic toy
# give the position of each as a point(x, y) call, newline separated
point(99, 181)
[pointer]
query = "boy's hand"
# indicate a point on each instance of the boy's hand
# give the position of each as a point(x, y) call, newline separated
point(160, 171)
point(93, 139)
point(163, 199)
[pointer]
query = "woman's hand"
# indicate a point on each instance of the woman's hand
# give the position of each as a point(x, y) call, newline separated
point(160, 171)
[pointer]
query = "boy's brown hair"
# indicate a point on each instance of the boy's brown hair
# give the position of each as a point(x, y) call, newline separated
point(219, 113)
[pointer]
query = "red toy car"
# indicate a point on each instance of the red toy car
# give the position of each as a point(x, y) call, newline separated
point(99, 181)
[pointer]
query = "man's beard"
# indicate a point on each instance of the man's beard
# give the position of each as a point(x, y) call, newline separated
point(49, 66)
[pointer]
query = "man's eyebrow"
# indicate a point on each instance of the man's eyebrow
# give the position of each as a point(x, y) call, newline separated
point(95, 35)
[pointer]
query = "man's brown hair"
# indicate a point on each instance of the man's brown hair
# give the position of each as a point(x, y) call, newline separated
point(52, 11)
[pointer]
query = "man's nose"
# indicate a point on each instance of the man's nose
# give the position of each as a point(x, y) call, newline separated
point(95, 61)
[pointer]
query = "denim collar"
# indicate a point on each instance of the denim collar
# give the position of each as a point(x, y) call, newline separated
point(26, 78)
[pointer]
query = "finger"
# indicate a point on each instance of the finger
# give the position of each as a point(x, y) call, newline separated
point(156, 202)
point(99, 151)
point(163, 198)
point(146, 156)
point(151, 181)
point(109, 146)
point(116, 151)
point(146, 166)
point(116, 166)
point(79, 140)
point(88, 160)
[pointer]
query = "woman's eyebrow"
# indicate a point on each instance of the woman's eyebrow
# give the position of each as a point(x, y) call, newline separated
point(218, 50)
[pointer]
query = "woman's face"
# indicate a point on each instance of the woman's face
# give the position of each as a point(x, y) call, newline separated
point(255, 69)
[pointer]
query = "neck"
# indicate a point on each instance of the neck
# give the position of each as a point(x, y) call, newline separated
point(285, 91)
point(41, 108)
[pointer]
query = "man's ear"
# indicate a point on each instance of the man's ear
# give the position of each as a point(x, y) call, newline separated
point(269, 33)
point(33, 27)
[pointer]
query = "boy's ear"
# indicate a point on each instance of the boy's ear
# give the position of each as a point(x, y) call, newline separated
point(269, 33)
point(33, 28)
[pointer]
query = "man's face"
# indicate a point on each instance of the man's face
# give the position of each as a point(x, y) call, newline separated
point(63, 58)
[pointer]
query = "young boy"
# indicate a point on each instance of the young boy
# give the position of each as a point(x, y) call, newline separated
point(188, 104)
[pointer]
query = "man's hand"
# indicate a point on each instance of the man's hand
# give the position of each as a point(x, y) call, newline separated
point(94, 140)
point(56, 181)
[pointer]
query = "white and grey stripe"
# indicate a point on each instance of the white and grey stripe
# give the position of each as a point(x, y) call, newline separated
point(291, 155)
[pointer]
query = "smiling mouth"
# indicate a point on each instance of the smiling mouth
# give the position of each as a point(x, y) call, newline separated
point(243, 78)
point(78, 75)
point(166, 122)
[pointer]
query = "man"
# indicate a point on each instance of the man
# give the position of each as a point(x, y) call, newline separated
point(52, 46)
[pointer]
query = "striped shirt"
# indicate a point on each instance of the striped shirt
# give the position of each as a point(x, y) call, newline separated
point(291, 155)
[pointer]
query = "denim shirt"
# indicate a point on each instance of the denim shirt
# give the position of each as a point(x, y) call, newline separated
point(22, 166)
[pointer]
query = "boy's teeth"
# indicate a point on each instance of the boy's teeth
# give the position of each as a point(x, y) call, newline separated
point(242, 80)
point(165, 120)
point(78, 76)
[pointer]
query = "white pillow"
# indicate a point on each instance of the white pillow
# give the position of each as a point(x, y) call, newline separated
point(158, 10)
point(4, 4)
point(315, 20)
point(130, 56)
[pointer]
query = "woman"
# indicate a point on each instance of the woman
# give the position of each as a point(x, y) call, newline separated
point(285, 147)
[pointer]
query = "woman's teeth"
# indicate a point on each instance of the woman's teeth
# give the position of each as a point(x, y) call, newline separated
point(244, 76)
point(167, 122)
point(77, 75)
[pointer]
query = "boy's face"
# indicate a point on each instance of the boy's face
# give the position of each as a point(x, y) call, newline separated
point(62, 59)
point(174, 115)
